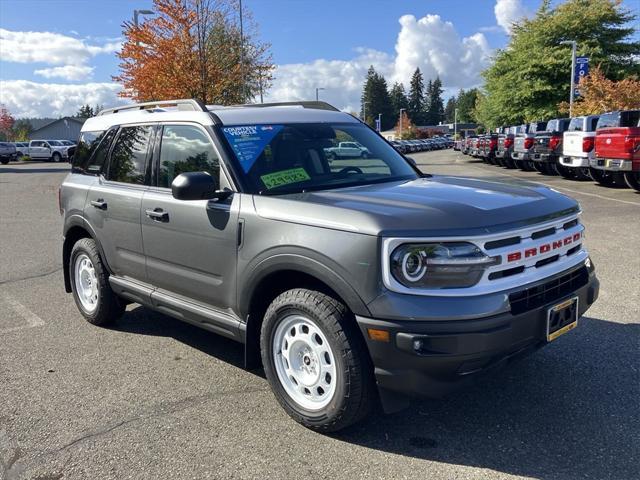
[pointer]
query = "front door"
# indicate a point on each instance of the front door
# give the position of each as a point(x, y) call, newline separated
point(190, 246)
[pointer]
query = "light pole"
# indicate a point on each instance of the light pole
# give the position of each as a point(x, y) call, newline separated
point(242, 77)
point(455, 124)
point(317, 90)
point(137, 13)
point(401, 110)
point(573, 69)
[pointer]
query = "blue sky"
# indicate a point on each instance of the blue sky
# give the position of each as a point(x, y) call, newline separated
point(64, 55)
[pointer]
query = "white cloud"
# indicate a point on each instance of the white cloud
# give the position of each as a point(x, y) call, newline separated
point(50, 48)
point(67, 72)
point(31, 99)
point(428, 43)
point(508, 12)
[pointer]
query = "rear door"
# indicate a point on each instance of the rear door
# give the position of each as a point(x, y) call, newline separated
point(37, 149)
point(113, 204)
point(190, 246)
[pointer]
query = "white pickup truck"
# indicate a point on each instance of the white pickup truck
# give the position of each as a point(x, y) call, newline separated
point(347, 150)
point(578, 146)
point(51, 150)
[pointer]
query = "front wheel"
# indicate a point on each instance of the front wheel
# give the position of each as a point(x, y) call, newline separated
point(56, 157)
point(4, 161)
point(92, 293)
point(315, 360)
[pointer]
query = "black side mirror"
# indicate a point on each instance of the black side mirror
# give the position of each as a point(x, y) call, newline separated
point(197, 186)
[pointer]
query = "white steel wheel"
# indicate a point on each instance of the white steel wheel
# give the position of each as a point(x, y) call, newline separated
point(304, 362)
point(86, 282)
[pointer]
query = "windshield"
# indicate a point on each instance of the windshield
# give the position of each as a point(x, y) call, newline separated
point(289, 158)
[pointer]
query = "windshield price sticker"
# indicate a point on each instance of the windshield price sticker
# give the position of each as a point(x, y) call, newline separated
point(285, 177)
point(249, 141)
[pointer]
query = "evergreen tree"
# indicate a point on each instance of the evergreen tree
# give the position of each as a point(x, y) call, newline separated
point(376, 101)
point(86, 111)
point(450, 110)
point(416, 98)
point(435, 105)
point(398, 98)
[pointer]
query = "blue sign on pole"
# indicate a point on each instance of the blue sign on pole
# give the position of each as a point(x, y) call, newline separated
point(582, 70)
point(378, 124)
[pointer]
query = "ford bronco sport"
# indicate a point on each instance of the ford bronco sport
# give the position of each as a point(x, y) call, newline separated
point(350, 280)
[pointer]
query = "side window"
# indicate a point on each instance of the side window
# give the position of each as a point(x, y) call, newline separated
point(129, 154)
point(186, 148)
point(92, 150)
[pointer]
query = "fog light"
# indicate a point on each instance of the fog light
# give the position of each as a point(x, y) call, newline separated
point(417, 345)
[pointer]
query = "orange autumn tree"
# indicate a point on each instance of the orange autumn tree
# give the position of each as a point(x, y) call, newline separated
point(194, 49)
point(408, 129)
point(599, 94)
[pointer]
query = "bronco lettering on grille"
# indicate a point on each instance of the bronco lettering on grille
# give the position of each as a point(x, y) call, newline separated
point(544, 248)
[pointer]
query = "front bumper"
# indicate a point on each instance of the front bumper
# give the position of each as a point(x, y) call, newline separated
point(453, 352)
point(612, 164)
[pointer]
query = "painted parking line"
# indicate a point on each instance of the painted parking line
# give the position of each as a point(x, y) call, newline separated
point(31, 320)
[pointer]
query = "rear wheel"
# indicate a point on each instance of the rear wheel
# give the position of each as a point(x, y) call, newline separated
point(583, 173)
point(528, 165)
point(509, 163)
point(315, 360)
point(4, 161)
point(633, 180)
point(602, 177)
point(566, 172)
point(92, 293)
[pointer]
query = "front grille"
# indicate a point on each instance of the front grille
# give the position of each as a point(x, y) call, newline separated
point(551, 291)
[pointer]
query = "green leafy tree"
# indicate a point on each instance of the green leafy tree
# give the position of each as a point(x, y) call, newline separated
point(21, 130)
point(376, 101)
point(531, 76)
point(416, 98)
point(466, 104)
point(398, 99)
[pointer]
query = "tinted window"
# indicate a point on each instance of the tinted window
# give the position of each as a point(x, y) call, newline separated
point(576, 124)
point(609, 120)
point(86, 158)
point(183, 149)
point(630, 118)
point(592, 124)
point(129, 154)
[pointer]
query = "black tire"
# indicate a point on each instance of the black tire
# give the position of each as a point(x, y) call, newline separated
point(509, 163)
point(56, 157)
point(602, 177)
point(583, 174)
point(355, 390)
point(364, 155)
point(566, 172)
point(528, 165)
point(109, 306)
point(633, 180)
point(4, 161)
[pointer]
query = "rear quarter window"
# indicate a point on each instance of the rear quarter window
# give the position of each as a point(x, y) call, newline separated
point(630, 118)
point(91, 151)
point(609, 120)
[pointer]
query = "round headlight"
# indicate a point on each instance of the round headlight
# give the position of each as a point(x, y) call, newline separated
point(414, 265)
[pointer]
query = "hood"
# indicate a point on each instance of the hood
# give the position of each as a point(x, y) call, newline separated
point(433, 206)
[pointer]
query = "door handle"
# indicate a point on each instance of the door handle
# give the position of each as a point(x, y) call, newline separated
point(157, 214)
point(100, 204)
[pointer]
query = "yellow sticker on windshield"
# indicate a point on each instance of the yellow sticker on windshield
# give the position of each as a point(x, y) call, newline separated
point(285, 177)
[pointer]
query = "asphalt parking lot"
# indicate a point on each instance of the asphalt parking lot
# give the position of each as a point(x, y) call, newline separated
point(155, 398)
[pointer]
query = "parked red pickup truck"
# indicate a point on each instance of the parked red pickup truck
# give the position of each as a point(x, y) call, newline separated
point(618, 149)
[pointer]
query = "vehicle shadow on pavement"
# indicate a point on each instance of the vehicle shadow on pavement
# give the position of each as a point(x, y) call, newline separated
point(570, 410)
point(143, 321)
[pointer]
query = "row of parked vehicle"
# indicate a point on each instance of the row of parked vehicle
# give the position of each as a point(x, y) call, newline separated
point(51, 150)
point(604, 148)
point(422, 145)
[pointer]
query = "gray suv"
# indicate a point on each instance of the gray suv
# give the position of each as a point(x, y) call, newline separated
point(351, 280)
